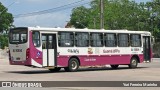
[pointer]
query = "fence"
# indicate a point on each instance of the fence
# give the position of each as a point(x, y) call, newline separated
point(156, 48)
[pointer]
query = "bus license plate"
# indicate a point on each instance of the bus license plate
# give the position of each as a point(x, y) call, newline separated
point(18, 58)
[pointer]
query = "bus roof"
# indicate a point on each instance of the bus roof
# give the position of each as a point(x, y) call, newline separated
point(84, 30)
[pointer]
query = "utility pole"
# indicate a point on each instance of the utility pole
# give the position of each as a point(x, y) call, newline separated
point(102, 14)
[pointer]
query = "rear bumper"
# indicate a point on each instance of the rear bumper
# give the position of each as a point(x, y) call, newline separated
point(26, 63)
point(23, 62)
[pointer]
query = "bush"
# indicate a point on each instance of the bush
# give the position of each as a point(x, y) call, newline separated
point(3, 41)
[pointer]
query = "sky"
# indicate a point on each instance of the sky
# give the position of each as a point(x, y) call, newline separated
point(55, 18)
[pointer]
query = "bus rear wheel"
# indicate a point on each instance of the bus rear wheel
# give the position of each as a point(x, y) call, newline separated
point(56, 69)
point(73, 65)
point(114, 66)
point(133, 63)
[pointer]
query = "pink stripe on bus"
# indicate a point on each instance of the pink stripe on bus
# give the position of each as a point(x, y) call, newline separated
point(98, 60)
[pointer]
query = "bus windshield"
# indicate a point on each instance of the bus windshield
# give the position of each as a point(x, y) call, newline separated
point(18, 36)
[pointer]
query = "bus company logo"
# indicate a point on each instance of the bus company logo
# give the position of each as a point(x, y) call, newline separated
point(17, 50)
point(73, 51)
point(111, 51)
point(90, 51)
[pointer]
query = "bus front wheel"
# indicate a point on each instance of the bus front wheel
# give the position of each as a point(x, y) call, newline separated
point(133, 63)
point(73, 65)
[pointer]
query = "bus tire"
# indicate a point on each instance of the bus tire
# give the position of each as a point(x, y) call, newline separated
point(133, 63)
point(73, 65)
point(114, 66)
point(56, 69)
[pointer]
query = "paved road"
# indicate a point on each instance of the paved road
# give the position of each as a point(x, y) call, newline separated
point(144, 72)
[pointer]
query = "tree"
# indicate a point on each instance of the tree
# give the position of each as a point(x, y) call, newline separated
point(154, 17)
point(80, 17)
point(3, 41)
point(120, 14)
point(6, 19)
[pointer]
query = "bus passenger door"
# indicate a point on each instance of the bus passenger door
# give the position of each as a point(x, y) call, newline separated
point(146, 48)
point(49, 49)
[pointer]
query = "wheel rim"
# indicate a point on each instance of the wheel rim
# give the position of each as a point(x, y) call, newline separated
point(134, 62)
point(74, 65)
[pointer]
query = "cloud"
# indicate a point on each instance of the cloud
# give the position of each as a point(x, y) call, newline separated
point(47, 20)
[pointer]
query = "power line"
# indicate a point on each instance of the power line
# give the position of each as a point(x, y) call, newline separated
point(7, 7)
point(64, 7)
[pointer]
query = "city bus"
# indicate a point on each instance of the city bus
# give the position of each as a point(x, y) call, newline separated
point(69, 48)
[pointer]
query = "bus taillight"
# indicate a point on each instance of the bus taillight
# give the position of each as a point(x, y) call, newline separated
point(27, 53)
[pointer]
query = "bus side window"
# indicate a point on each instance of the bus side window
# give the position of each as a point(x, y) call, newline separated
point(81, 39)
point(123, 40)
point(96, 39)
point(36, 38)
point(135, 40)
point(65, 39)
point(110, 40)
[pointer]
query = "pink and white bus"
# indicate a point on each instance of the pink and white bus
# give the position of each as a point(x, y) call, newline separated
point(69, 48)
